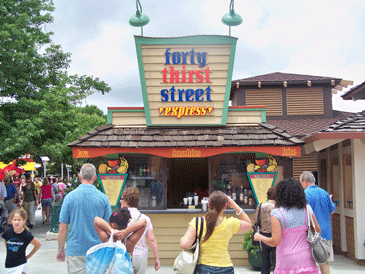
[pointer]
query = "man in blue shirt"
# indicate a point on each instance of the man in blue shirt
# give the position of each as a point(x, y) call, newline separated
point(323, 207)
point(78, 210)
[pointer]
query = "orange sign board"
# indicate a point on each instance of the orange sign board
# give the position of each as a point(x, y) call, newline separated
point(193, 152)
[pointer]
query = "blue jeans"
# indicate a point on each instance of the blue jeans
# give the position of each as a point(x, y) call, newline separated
point(207, 269)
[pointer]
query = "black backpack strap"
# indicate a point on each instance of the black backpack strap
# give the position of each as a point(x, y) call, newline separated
point(201, 228)
point(258, 221)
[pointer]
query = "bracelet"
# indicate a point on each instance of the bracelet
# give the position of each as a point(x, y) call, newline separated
point(240, 212)
point(61, 249)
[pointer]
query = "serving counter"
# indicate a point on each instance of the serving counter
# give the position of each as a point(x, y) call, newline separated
point(171, 224)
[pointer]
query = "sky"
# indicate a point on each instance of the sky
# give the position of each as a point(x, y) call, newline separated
point(321, 38)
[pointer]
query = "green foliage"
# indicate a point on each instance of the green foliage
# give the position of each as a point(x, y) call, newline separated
point(39, 114)
point(77, 182)
point(219, 185)
point(247, 243)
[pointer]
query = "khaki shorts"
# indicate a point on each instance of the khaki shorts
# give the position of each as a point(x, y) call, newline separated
point(331, 258)
point(76, 264)
point(140, 263)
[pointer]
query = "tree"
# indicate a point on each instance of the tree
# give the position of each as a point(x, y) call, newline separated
point(39, 114)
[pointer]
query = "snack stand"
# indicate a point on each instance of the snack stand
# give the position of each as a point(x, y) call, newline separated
point(187, 141)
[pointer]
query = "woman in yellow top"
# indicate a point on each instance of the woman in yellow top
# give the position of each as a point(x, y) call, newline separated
point(217, 231)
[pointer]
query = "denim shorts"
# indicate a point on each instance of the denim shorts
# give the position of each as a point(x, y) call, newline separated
point(207, 269)
point(46, 202)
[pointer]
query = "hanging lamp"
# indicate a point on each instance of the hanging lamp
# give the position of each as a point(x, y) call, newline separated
point(231, 18)
point(139, 19)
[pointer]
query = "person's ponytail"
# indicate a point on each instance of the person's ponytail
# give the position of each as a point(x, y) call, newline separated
point(217, 203)
point(211, 220)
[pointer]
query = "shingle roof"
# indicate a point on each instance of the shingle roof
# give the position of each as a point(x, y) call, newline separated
point(260, 135)
point(355, 93)
point(303, 127)
point(355, 123)
point(277, 78)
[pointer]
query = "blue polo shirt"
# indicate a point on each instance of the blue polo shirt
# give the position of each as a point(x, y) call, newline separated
point(322, 206)
point(79, 209)
point(10, 191)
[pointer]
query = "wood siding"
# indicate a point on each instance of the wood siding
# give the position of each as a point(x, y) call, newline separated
point(308, 101)
point(234, 118)
point(271, 98)
point(251, 117)
point(169, 228)
point(153, 57)
point(304, 163)
point(350, 236)
point(129, 119)
point(336, 231)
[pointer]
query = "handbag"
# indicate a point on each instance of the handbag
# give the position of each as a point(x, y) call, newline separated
point(108, 258)
point(256, 226)
point(187, 259)
point(320, 249)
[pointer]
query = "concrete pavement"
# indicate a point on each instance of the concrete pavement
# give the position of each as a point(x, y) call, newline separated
point(44, 261)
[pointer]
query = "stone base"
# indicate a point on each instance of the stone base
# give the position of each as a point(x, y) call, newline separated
point(51, 236)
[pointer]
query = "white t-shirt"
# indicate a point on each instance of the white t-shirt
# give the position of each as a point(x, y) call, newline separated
point(141, 247)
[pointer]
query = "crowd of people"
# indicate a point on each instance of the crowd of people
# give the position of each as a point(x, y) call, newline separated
point(30, 194)
point(84, 225)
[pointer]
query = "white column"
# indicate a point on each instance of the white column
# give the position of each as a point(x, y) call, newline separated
point(342, 203)
point(358, 171)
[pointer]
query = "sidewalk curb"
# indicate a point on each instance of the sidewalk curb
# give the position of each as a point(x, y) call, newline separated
point(51, 236)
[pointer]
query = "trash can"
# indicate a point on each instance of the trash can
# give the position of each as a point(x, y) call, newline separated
point(55, 217)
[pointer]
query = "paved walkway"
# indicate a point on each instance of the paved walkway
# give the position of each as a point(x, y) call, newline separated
point(44, 261)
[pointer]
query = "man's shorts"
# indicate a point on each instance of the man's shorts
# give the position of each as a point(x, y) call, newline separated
point(76, 264)
point(331, 258)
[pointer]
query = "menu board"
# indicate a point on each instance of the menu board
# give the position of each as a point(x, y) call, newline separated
point(112, 185)
point(260, 183)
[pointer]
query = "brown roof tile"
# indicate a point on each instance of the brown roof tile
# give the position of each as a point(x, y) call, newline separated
point(277, 78)
point(302, 127)
point(355, 123)
point(261, 135)
point(355, 93)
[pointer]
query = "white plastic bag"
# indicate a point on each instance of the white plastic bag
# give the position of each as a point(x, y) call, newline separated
point(108, 258)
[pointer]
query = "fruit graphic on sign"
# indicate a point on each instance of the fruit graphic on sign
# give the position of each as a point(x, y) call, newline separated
point(250, 166)
point(114, 166)
point(113, 163)
point(103, 168)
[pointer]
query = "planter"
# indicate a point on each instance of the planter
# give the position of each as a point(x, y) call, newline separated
point(255, 260)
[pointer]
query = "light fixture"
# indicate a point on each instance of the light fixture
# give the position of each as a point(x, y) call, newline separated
point(231, 18)
point(140, 19)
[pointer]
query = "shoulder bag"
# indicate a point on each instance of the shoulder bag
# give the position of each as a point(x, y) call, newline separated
point(319, 247)
point(256, 226)
point(187, 259)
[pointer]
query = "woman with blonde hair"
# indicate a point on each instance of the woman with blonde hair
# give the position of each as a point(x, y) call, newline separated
point(217, 232)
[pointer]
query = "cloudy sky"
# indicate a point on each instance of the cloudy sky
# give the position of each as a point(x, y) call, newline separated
point(314, 37)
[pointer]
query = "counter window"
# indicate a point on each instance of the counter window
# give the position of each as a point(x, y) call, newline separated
point(146, 173)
